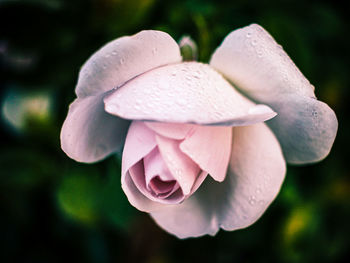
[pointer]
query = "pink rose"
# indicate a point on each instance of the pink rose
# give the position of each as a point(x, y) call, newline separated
point(197, 154)
point(165, 163)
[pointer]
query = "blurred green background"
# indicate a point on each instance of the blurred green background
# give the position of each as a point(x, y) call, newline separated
point(54, 209)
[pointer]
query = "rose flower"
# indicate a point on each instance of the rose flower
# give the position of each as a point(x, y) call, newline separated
point(196, 151)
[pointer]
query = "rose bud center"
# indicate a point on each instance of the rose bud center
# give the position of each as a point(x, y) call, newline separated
point(159, 181)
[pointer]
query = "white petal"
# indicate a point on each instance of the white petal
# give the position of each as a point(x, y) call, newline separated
point(89, 133)
point(305, 127)
point(255, 175)
point(210, 148)
point(184, 93)
point(139, 142)
point(252, 60)
point(192, 218)
point(125, 58)
point(176, 131)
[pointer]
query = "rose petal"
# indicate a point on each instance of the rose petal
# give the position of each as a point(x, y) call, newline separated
point(210, 148)
point(125, 58)
point(157, 175)
point(136, 198)
point(256, 171)
point(184, 170)
point(155, 166)
point(89, 134)
point(192, 218)
point(252, 60)
point(305, 127)
point(139, 142)
point(184, 93)
point(176, 131)
point(255, 175)
point(137, 174)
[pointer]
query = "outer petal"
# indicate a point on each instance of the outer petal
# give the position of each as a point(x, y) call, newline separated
point(252, 60)
point(125, 58)
point(307, 130)
point(185, 93)
point(89, 134)
point(139, 142)
point(210, 148)
point(255, 175)
point(256, 172)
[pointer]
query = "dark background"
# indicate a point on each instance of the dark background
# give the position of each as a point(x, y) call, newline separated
point(56, 210)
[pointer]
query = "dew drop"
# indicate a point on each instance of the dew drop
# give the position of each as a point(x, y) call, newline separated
point(258, 190)
point(254, 42)
point(121, 61)
point(150, 105)
point(252, 200)
point(249, 34)
point(260, 53)
point(267, 177)
point(285, 77)
point(114, 53)
point(154, 50)
point(197, 74)
point(178, 172)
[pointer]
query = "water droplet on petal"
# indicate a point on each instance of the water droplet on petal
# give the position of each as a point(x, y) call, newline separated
point(252, 200)
point(258, 190)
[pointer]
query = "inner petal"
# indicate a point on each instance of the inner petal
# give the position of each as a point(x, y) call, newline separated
point(160, 187)
point(159, 180)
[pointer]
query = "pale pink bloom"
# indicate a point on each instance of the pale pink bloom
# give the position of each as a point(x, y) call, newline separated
point(197, 154)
